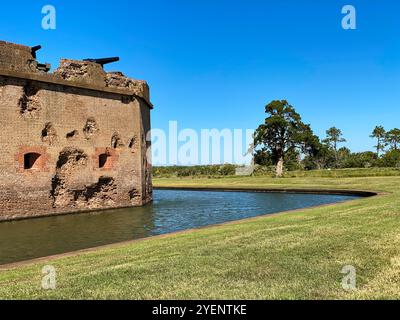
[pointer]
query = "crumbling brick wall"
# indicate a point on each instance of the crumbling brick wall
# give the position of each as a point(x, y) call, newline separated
point(71, 140)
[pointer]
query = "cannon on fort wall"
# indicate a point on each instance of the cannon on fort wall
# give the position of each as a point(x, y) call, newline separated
point(103, 61)
point(35, 49)
point(44, 67)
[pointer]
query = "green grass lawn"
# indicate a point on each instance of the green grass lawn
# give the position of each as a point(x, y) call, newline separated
point(294, 255)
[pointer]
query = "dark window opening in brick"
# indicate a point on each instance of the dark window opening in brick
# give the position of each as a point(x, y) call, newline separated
point(103, 160)
point(31, 160)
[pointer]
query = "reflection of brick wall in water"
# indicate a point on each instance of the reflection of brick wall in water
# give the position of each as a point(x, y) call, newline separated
point(71, 140)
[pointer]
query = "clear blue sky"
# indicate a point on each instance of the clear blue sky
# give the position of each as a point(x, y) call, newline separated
point(216, 63)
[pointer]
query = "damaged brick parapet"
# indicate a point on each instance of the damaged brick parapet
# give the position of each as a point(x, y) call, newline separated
point(119, 80)
point(15, 57)
point(81, 71)
point(20, 62)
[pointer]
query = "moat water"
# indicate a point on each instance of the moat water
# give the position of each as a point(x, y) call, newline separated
point(172, 210)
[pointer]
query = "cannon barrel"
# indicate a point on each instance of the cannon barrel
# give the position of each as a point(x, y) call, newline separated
point(103, 61)
point(35, 49)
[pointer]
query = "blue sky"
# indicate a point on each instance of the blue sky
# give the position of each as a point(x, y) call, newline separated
point(215, 64)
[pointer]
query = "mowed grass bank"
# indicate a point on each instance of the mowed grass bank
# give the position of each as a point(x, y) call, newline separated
point(294, 255)
point(221, 171)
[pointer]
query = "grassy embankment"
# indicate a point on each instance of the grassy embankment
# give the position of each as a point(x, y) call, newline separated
point(294, 255)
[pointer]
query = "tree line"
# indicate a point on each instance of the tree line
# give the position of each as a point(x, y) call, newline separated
point(286, 142)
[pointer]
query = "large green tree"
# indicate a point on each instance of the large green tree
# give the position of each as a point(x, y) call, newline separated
point(317, 155)
point(334, 136)
point(379, 134)
point(392, 138)
point(390, 159)
point(282, 133)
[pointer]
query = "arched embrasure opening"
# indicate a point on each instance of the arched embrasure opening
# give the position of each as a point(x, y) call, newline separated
point(31, 160)
point(103, 160)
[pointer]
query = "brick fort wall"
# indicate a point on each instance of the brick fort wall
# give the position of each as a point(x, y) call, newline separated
point(72, 140)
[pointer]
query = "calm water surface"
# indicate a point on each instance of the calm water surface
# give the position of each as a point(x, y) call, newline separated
point(172, 210)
